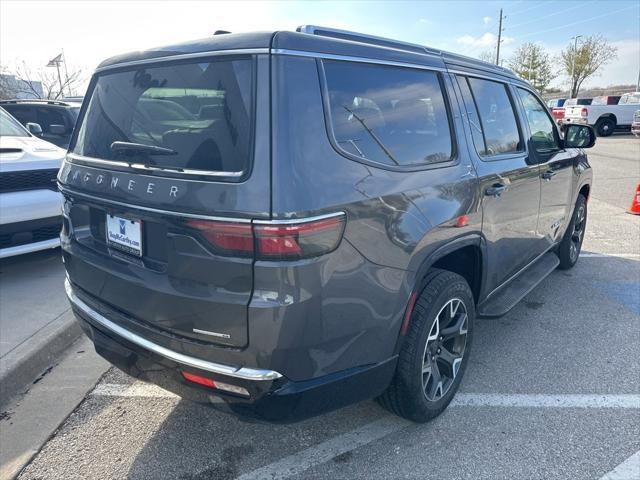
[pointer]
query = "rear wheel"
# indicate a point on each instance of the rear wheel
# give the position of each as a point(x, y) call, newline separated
point(605, 127)
point(434, 354)
point(571, 244)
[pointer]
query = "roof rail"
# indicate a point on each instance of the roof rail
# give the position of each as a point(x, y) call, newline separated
point(364, 38)
point(34, 100)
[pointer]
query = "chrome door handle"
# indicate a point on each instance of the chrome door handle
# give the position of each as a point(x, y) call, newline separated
point(548, 174)
point(495, 190)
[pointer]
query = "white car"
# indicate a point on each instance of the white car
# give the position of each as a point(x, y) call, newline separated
point(605, 118)
point(30, 204)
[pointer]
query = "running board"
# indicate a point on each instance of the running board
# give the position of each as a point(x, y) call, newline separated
point(505, 299)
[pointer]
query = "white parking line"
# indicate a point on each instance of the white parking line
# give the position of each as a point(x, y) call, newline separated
point(605, 255)
point(143, 390)
point(545, 401)
point(627, 470)
point(325, 451)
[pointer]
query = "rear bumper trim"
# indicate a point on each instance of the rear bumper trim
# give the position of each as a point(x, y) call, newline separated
point(244, 373)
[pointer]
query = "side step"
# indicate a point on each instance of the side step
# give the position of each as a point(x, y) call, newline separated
point(505, 299)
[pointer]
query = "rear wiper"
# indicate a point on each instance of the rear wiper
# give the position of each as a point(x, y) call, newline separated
point(141, 148)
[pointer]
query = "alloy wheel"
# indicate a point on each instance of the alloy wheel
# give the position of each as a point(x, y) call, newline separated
point(577, 234)
point(444, 349)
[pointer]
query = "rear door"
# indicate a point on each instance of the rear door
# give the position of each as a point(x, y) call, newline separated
point(159, 225)
point(556, 166)
point(509, 178)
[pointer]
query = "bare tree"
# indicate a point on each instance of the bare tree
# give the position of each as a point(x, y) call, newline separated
point(487, 56)
point(532, 63)
point(585, 60)
point(29, 82)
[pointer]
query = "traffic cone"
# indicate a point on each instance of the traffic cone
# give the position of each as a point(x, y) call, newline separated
point(635, 203)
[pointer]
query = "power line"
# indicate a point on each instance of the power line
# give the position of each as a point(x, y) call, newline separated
point(536, 5)
point(549, 15)
point(577, 22)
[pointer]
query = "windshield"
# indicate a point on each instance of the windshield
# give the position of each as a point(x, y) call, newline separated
point(199, 111)
point(10, 127)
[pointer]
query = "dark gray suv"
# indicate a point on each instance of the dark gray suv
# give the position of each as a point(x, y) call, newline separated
point(294, 221)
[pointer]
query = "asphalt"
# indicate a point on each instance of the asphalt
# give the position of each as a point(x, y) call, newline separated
point(555, 386)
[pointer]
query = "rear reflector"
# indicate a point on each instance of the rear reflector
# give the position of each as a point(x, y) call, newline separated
point(273, 240)
point(207, 382)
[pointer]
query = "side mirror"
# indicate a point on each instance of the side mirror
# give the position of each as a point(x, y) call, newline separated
point(34, 128)
point(57, 129)
point(579, 136)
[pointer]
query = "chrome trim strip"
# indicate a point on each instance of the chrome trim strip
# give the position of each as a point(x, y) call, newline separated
point(243, 373)
point(486, 74)
point(330, 56)
point(64, 189)
point(139, 166)
point(295, 221)
point(213, 334)
point(185, 56)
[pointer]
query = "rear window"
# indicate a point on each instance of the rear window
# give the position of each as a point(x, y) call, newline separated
point(199, 114)
point(388, 115)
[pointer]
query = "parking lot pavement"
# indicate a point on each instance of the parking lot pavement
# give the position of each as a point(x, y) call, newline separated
point(552, 391)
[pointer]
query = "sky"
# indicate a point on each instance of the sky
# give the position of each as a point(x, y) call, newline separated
point(90, 31)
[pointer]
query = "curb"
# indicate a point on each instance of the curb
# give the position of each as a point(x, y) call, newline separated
point(21, 367)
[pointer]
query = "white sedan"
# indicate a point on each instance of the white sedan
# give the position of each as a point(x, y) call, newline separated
point(30, 204)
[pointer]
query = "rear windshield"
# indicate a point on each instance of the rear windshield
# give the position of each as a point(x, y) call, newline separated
point(199, 114)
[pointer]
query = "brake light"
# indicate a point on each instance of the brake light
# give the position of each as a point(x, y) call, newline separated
point(289, 239)
point(298, 239)
point(584, 112)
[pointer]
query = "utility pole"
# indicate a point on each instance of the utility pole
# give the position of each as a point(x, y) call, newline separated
point(66, 72)
point(499, 39)
point(573, 64)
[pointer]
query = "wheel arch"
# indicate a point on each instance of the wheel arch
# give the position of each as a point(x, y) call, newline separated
point(608, 116)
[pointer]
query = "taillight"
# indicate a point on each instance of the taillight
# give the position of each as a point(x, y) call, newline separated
point(271, 240)
point(584, 112)
point(207, 382)
point(226, 237)
point(298, 239)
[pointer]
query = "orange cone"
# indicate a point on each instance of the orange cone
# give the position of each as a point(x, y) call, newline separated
point(635, 203)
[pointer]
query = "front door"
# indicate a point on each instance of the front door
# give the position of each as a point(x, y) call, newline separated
point(556, 167)
point(509, 179)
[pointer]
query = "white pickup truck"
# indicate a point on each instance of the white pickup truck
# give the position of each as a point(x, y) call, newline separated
point(605, 118)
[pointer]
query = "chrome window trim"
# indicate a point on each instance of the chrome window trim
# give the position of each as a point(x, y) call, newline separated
point(348, 58)
point(184, 56)
point(243, 373)
point(139, 166)
point(103, 200)
point(295, 221)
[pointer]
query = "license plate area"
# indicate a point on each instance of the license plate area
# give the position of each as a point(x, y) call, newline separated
point(124, 234)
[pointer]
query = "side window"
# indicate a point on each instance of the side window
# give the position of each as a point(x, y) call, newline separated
point(472, 115)
point(389, 115)
point(498, 119)
point(543, 135)
point(49, 116)
point(22, 113)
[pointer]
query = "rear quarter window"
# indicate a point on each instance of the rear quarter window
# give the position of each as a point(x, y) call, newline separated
point(388, 115)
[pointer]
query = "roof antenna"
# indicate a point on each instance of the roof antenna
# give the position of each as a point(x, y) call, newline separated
point(220, 32)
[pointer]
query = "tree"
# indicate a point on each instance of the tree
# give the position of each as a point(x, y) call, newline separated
point(44, 83)
point(585, 60)
point(532, 63)
point(487, 56)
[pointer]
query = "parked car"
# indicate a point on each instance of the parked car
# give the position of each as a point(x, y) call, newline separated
point(30, 213)
point(313, 218)
point(606, 118)
point(56, 118)
point(635, 125)
point(558, 115)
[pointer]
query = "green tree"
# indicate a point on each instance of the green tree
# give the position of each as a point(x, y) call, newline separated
point(532, 63)
point(585, 60)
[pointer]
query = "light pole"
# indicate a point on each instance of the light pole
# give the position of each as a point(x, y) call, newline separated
point(573, 64)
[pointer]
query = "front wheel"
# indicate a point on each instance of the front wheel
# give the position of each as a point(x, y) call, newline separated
point(434, 354)
point(571, 244)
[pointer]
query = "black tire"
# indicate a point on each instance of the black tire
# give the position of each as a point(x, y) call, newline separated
point(571, 244)
point(409, 391)
point(605, 127)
